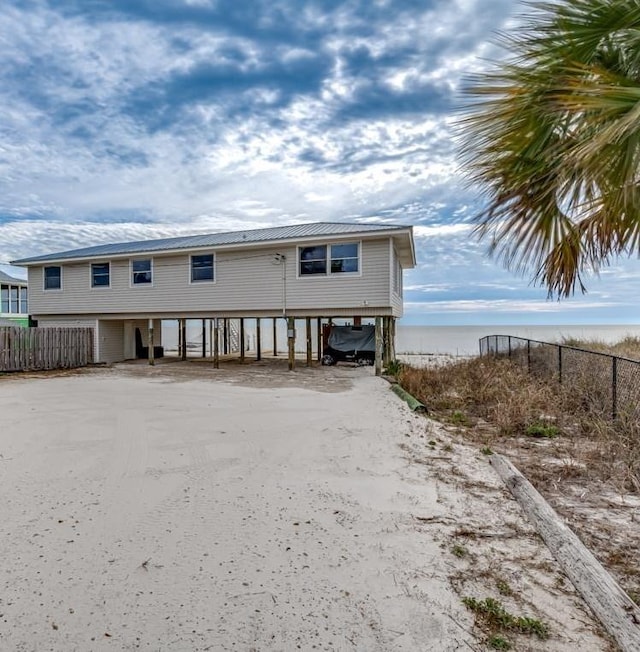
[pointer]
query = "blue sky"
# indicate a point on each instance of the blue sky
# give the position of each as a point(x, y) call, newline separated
point(122, 120)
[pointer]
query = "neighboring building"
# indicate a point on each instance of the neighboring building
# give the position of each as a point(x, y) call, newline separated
point(14, 309)
point(326, 270)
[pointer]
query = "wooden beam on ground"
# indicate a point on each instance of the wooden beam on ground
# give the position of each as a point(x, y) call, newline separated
point(611, 605)
point(258, 340)
point(151, 353)
point(291, 342)
point(309, 341)
point(378, 340)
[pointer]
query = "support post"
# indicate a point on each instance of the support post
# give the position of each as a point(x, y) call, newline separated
point(225, 336)
point(241, 339)
point(393, 338)
point(319, 338)
point(183, 328)
point(204, 338)
point(150, 343)
point(216, 344)
point(258, 340)
point(291, 341)
point(378, 339)
point(211, 337)
point(309, 342)
point(275, 337)
point(386, 336)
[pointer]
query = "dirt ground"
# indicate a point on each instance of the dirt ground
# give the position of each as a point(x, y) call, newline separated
point(183, 508)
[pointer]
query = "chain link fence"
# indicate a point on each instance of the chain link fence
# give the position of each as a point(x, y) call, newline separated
point(597, 381)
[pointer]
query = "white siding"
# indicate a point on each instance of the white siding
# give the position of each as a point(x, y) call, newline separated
point(110, 341)
point(396, 284)
point(246, 281)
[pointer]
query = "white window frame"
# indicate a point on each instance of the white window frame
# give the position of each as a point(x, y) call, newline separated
point(99, 287)
point(213, 268)
point(132, 274)
point(328, 273)
point(44, 279)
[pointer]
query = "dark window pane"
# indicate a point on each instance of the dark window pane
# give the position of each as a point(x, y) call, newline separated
point(141, 265)
point(52, 278)
point(313, 267)
point(344, 251)
point(141, 271)
point(344, 265)
point(23, 301)
point(100, 275)
point(4, 299)
point(202, 267)
point(313, 253)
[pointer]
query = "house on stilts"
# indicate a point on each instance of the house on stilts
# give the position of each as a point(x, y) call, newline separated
point(313, 273)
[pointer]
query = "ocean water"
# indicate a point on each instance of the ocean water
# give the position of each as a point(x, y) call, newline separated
point(451, 340)
point(463, 340)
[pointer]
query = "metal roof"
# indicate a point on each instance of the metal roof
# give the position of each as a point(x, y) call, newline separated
point(272, 234)
point(5, 278)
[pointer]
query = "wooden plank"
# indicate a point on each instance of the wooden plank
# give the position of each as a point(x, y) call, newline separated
point(378, 340)
point(291, 342)
point(611, 605)
point(309, 342)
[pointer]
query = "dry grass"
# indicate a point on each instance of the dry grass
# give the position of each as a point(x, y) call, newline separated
point(629, 347)
point(494, 399)
point(562, 437)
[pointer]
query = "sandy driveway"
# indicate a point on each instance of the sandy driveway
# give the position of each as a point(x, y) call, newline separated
point(141, 512)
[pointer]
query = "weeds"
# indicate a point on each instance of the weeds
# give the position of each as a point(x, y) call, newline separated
point(493, 398)
point(544, 430)
point(459, 551)
point(497, 642)
point(497, 619)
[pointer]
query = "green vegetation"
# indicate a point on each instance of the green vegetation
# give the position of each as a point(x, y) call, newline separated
point(497, 619)
point(540, 429)
point(494, 399)
point(497, 642)
point(551, 136)
point(459, 551)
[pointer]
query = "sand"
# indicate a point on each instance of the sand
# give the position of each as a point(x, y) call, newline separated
point(173, 509)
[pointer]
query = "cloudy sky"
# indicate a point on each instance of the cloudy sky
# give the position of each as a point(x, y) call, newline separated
point(132, 119)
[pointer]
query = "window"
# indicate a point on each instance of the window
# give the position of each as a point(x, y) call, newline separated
point(343, 258)
point(15, 300)
point(4, 298)
point(53, 278)
point(313, 260)
point(23, 301)
point(141, 272)
point(100, 275)
point(202, 268)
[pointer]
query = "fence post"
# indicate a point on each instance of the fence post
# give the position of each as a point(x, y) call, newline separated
point(614, 388)
point(528, 356)
point(560, 364)
point(509, 345)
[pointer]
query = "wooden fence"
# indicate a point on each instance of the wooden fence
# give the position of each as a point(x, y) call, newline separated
point(23, 349)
